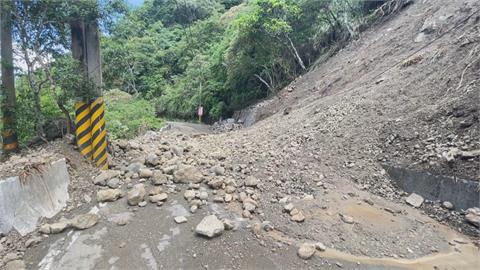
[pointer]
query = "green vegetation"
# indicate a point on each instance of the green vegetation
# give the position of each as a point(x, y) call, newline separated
point(127, 117)
point(222, 54)
point(172, 56)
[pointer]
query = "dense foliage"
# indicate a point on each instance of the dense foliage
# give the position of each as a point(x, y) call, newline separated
point(174, 55)
point(222, 54)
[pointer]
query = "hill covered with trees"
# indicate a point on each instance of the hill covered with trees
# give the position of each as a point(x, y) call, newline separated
point(172, 56)
point(222, 54)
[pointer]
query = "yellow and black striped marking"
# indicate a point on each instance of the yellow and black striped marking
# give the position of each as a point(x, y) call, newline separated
point(99, 133)
point(91, 132)
point(9, 135)
point(83, 130)
point(10, 142)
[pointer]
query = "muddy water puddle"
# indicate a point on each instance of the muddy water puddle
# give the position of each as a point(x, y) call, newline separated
point(463, 255)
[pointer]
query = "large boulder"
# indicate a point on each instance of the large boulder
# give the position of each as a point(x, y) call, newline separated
point(187, 174)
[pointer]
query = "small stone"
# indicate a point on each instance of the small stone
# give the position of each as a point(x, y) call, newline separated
point(136, 195)
point(177, 150)
point(45, 229)
point(109, 195)
point(414, 200)
point(85, 221)
point(249, 205)
point(113, 183)
point(180, 219)
point(152, 160)
point(187, 174)
point(145, 173)
point(210, 226)
point(306, 251)
point(246, 214)
point(347, 219)
point(159, 178)
point(299, 217)
point(368, 200)
point(218, 170)
point(122, 245)
point(215, 183)
point(473, 216)
point(251, 181)
point(142, 204)
point(267, 226)
point(288, 207)
point(189, 195)
point(447, 205)
point(33, 241)
point(193, 209)
point(228, 224)
point(169, 169)
point(228, 198)
point(155, 191)
point(69, 138)
point(320, 246)
point(158, 198)
point(58, 227)
point(102, 178)
point(15, 265)
point(203, 195)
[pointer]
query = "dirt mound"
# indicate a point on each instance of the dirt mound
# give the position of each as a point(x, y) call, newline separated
point(409, 88)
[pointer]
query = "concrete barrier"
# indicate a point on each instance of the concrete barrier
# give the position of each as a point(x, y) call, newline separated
point(463, 193)
point(43, 194)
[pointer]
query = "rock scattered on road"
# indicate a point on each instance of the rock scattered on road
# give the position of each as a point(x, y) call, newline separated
point(347, 219)
point(85, 221)
point(473, 216)
point(109, 195)
point(180, 219)
point(414, 200)
point(320, 246)
point(136, 195)
point(306, 251)
point(210, 226)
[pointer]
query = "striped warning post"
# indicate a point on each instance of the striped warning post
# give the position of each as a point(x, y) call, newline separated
point(83, 130)
point(9, 135)
point(99, 133)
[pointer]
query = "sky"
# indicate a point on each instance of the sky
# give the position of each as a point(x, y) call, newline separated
point(135, 3)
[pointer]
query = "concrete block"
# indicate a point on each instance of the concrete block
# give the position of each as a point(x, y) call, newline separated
point(43, 195)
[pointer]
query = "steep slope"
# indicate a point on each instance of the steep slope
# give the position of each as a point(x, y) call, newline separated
point(409, 85)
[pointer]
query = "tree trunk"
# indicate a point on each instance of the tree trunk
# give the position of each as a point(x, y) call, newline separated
point(264, 82)
point(296, 55)
point(9, 132)
point(32, 81)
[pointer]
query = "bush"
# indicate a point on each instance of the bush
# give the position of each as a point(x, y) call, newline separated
point(129, 117)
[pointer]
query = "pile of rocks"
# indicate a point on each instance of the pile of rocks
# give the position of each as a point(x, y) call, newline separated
point(228, 124)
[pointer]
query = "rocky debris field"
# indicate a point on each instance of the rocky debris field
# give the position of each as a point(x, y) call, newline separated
point(305, 186)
